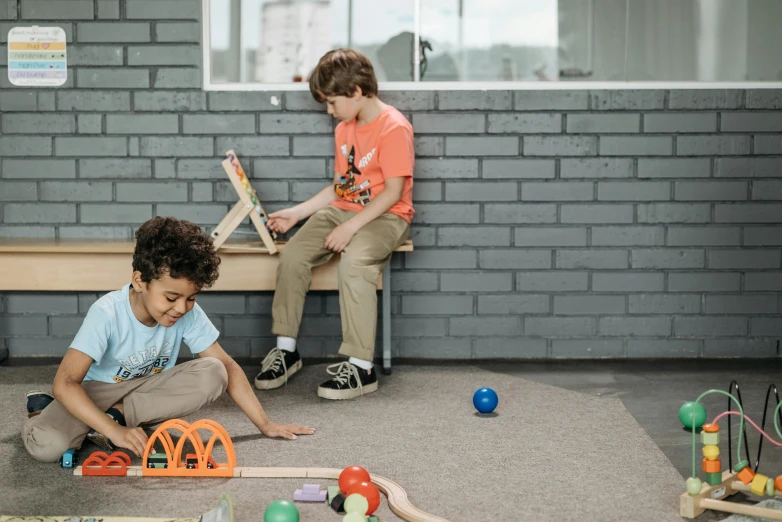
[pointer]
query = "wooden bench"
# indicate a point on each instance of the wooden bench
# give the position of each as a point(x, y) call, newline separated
point(105, 265)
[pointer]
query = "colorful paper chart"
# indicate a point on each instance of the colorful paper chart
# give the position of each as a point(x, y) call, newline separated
point(36, 56)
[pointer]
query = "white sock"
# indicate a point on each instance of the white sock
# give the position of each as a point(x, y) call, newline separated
point(286, 343)
point(364, 365)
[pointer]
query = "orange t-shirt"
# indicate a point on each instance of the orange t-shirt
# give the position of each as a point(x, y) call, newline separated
point(369, 154)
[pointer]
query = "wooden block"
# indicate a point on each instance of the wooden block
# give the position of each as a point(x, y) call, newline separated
point(758, 485)
point(714, 479)
point(746, 475)
point(692, 506)
point(712, 466)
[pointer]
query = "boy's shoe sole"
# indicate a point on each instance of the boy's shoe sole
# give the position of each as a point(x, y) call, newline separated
point(101, 441)
point(350, 393)
point(31, 414)
point(279, 381)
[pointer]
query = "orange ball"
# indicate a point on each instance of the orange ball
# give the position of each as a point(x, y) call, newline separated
point(369, 491)
point(352, 475)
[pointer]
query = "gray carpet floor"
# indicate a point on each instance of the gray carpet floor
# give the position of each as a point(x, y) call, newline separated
point(547, 454)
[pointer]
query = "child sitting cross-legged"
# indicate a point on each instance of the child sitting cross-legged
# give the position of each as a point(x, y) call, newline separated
point(120, 371)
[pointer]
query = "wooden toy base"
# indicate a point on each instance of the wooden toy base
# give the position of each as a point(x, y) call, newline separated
point(397, 497)
point(712, 497)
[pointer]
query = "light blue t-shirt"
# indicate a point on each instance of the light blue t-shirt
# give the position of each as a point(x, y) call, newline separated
point(123, 348)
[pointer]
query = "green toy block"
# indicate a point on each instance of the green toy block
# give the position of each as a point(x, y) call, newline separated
point(372, 519)
point(714, 479)
point(710, 438)
point(333, 492)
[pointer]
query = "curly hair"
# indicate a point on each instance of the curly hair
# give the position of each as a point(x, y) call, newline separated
point(180, 247)
point(339, 72)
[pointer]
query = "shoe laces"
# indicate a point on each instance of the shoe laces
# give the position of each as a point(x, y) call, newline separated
point(273, 361)
point(342, 373)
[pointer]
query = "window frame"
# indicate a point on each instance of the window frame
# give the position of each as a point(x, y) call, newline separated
point(209, 85)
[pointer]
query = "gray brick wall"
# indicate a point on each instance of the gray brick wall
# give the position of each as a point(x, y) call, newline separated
point(550, 224)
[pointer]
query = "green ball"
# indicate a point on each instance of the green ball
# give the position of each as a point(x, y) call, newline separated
point(356, 503)
point(693, 485)
point(281, 511)
point(692, 415)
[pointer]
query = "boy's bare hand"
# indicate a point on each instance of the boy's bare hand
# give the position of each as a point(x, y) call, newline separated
point(282, 220)
point(134, 439)
point(339, 238)
point(286, 431)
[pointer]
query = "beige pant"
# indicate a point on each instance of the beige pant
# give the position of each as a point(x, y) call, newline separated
point(171, 394)
point(359, 268)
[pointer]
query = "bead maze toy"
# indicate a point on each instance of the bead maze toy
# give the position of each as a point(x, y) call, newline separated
point(719, 484)
point(248, 205)
point(170, 463)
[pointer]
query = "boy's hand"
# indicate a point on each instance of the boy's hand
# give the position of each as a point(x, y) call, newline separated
point(134, 439)
point(286, 431)
point(340, 237)
point(282, 220)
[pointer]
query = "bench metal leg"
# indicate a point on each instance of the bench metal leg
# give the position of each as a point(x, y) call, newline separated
point(387, 319)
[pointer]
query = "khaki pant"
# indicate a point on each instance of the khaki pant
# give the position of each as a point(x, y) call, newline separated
point(171, 394)
point(359, 268)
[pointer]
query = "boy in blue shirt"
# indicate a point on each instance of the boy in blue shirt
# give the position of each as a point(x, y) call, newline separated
point(119, 373)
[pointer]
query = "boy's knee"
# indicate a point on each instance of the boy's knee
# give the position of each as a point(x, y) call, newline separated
point(215, 376)
point(44, 443)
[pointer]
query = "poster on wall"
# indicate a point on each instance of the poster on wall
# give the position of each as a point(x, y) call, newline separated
point(36, 56)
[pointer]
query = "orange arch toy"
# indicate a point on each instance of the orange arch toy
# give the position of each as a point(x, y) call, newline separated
point(203, 453)
point(102, 465)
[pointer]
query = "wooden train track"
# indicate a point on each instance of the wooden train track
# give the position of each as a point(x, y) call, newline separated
point(397, 496)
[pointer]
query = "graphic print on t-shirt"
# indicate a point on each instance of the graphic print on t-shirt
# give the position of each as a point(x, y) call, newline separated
point(350, 188)
point(142, 363)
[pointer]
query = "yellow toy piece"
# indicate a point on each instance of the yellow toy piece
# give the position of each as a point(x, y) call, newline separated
point(758, 485)
point(711, 452)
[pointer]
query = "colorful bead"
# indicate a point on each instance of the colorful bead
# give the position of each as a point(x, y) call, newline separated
point(711, 451)
point(741, 465)
point(711, 428)
point(758, 485)
point(710, 438)
point(746, 475)
point(712, 466)
point(693, 485)
point(714, 479)
point(770, 488)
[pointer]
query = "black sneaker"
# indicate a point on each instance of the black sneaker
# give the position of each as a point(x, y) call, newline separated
point(36, 402)
point(100, 439)
point(349, 381)
point(276, 368)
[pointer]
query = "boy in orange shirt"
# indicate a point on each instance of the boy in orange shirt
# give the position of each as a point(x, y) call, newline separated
point(364, 214)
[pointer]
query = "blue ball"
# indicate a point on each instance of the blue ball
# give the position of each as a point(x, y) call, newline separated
point(485, 400)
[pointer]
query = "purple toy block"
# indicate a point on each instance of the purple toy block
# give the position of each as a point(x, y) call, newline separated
point(310, 493)
point(311, 489)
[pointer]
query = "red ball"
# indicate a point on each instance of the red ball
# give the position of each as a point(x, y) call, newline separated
point(352, 475)
point(369, 491)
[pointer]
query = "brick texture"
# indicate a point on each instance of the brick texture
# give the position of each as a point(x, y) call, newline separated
point(549, 223)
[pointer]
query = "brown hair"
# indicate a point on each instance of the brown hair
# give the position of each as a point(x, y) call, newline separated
point(339, 72)
point(180, 247)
